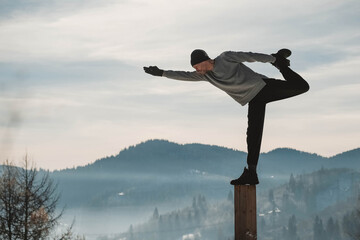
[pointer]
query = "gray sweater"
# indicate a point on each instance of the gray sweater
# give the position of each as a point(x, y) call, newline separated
point(231, 75)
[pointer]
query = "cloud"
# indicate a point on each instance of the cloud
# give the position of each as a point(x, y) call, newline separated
point(140, 31)
point(74, 70)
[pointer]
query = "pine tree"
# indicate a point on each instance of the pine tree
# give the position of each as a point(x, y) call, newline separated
point(318, 229)
point(156, 214)
point(284, 232)
point(230, 196)
point(292, 183)
point(177, 221)
point(220, 234)
point(131, 232)
point(310, 200)
point(351, 223)
point(194, 205)
point(336, 234)
point(202, 204)
point(292, 229)
point(271, 197)
point(330, 228)
point(262, 225)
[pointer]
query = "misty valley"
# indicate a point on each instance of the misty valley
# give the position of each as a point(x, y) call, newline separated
point(164, 190)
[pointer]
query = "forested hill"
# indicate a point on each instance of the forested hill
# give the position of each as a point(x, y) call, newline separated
point(164, 170)
point(164, 157)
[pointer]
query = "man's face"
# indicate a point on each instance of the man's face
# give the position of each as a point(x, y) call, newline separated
point(203, 67)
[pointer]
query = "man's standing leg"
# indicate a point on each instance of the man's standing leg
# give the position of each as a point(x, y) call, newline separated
point(256, 117)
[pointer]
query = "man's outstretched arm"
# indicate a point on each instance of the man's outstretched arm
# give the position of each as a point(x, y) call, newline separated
point(249, 57)
point(177, 75)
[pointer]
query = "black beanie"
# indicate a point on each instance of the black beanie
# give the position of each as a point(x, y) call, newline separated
point(198, 56)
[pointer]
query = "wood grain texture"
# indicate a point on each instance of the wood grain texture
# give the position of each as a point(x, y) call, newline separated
point(245, 212)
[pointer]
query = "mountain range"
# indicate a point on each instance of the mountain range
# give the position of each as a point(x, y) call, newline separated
point(162, 156)
point(163, 170)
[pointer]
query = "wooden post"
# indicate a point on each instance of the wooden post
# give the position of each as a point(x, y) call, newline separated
point(245, 212)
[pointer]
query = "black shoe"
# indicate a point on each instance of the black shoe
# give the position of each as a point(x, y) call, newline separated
point(285, 53)
point(246, 178)
point(281, 58)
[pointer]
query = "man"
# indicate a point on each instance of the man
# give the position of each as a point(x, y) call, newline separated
point(228, 72)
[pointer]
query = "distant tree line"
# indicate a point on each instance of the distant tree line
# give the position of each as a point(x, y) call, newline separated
point(351, 223)
point(300, 197)
point(195, 222)
point(329, 231)
point(290, 233)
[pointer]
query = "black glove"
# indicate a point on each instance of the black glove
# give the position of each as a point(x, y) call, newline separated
point(154, 70)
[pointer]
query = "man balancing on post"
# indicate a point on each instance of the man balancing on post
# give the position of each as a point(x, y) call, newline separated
point(228, 72)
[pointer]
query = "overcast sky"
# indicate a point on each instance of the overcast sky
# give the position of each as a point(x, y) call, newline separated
point(72, 88)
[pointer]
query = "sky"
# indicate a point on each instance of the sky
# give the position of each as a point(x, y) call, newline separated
point(72, 87)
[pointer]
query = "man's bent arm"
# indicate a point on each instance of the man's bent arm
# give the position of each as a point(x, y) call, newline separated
point(249, 57)
point(183, 75)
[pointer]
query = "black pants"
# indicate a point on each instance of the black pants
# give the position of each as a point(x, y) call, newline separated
point(273, 91)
